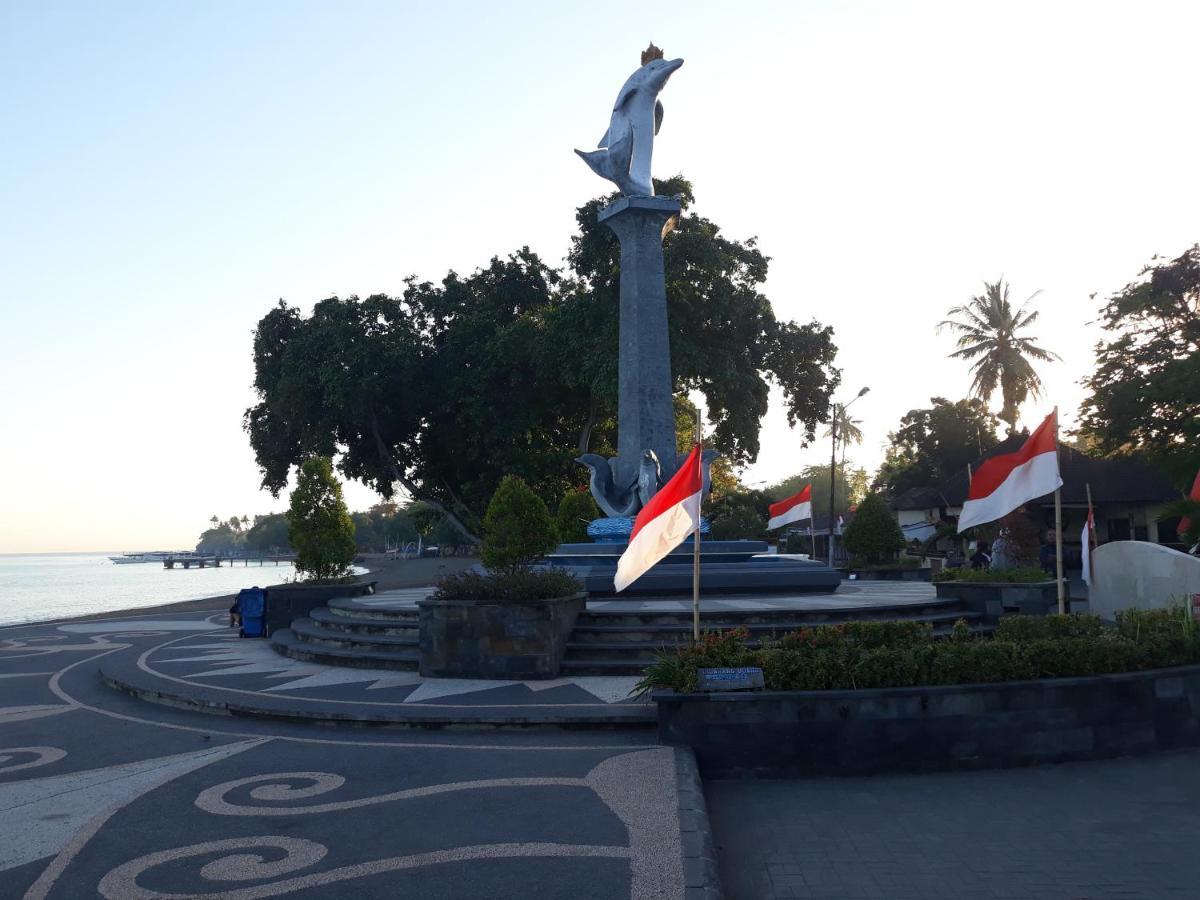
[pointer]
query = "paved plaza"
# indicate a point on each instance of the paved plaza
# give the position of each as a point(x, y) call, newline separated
point(102, 794)
point(1080, 831)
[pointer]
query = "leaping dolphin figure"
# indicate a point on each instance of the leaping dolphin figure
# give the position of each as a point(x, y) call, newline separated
point(626, 148)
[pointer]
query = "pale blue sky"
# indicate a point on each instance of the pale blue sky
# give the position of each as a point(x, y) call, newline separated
point(168, 170)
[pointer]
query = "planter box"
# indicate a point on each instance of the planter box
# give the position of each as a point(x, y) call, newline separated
point(777, 734)
point(286, 602)
point(996, 599)
point(481, 639)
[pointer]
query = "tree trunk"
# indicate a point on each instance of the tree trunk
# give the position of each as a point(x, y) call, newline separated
point(409, 486)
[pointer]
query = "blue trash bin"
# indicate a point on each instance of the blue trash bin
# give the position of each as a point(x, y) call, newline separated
point(252, 606)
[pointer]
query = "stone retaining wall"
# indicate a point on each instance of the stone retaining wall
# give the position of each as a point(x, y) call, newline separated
point(789, 733)
point(496, 640)
point(994, 599)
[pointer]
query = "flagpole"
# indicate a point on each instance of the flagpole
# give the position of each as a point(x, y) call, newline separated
point(1058, 554)
point(1091, 533)
point(696, 536)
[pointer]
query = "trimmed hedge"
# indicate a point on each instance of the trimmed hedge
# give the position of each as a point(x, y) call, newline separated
point(906, 654)
point(510, 587)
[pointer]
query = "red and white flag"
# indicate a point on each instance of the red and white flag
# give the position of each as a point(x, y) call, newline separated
point(664, 523)
point(1185, 522)
point(794, 509)
point(1006, 482)
point(1089, 533)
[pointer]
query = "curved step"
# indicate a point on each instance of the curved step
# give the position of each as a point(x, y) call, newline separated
point(286, 643)
point(399, 627)
point(309, 632)
point(588, 628)
point(351, 608)
point(794, 618)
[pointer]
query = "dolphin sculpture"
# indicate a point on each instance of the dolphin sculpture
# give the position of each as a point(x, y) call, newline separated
point(626, 501)
point(626, 148)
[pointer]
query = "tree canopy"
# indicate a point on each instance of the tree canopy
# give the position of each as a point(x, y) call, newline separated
point(849, 489)
point(932, 444)
point(1145, 391)
point(513, 369)
point(988, 333)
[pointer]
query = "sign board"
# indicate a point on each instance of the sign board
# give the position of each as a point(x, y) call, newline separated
point(748, 679)
point(1196, 607)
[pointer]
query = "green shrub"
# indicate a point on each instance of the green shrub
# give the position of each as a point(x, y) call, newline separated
point(1024, 575)
point(575, 511)
point(509, 587)
point(798, 543)
point(319, 525)
point(905, 654)
point(1032, 628)
point(873, 534)
point(516, 529)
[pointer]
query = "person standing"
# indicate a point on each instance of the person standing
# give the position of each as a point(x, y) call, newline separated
point(981, 559)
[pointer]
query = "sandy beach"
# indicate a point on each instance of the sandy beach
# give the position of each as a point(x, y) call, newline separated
point(388, 573)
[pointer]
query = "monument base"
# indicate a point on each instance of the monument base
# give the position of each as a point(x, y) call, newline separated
point(726, 567)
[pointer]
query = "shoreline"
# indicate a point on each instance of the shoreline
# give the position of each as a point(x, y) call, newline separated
point(389, 574)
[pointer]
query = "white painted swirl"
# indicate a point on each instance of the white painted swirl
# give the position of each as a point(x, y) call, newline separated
point(214, 799)
point(121, 882)
point(42, 756)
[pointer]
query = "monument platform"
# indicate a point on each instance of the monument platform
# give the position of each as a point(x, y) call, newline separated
point(726, 567)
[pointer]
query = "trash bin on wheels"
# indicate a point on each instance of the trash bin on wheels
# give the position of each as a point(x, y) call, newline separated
point(252, 606)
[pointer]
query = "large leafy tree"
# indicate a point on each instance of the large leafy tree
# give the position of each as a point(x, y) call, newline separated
point(512, 370)
point(1145, 391)
point(932, 444)
point(989, 332)
point(851, 486)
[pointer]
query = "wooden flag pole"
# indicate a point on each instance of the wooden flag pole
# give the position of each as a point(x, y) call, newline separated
point(696, 536)
point(1058, 562)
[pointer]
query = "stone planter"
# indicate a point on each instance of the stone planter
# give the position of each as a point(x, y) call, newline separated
point(286, 602)
point(773, 734)
point(996, 599)
point(482, 639)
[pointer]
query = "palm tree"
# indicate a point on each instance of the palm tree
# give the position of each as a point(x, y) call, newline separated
point(987, 331)
point(848, 431)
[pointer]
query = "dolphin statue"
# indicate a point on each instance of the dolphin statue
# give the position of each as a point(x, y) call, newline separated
point(617, 502)
point(626, 148)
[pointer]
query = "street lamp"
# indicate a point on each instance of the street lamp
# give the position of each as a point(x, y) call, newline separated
point(833, 465)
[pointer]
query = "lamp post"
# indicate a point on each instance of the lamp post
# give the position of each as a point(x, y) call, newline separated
point(833, 465)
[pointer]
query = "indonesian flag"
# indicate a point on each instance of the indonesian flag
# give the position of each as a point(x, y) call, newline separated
point(1089, 531)
point(793, 509)
point(664, 523)
point(1003, 483)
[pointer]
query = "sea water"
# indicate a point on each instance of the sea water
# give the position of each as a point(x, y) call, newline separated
point(39, 587)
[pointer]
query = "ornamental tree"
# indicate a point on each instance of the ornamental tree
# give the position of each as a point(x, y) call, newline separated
point(873, 534)
point(319, 525)
point(517, 528)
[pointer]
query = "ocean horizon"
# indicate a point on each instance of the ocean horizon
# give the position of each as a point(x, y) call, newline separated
point(39, 587)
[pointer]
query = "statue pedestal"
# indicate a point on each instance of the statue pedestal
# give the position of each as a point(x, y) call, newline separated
point(645, 413)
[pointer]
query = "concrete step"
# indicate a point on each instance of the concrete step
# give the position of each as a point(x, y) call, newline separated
point(351, 608)
point(309, 632)
point(589, 628)
point(398, 627)
point(598, 666)
point(286, 643)
point(792, 618)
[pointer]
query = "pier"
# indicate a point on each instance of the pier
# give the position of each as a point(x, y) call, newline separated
point(201, 561)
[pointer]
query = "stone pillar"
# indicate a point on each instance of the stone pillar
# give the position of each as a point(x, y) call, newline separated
point(645, 415)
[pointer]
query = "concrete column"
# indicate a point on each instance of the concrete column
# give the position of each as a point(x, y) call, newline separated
point(645, 415)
